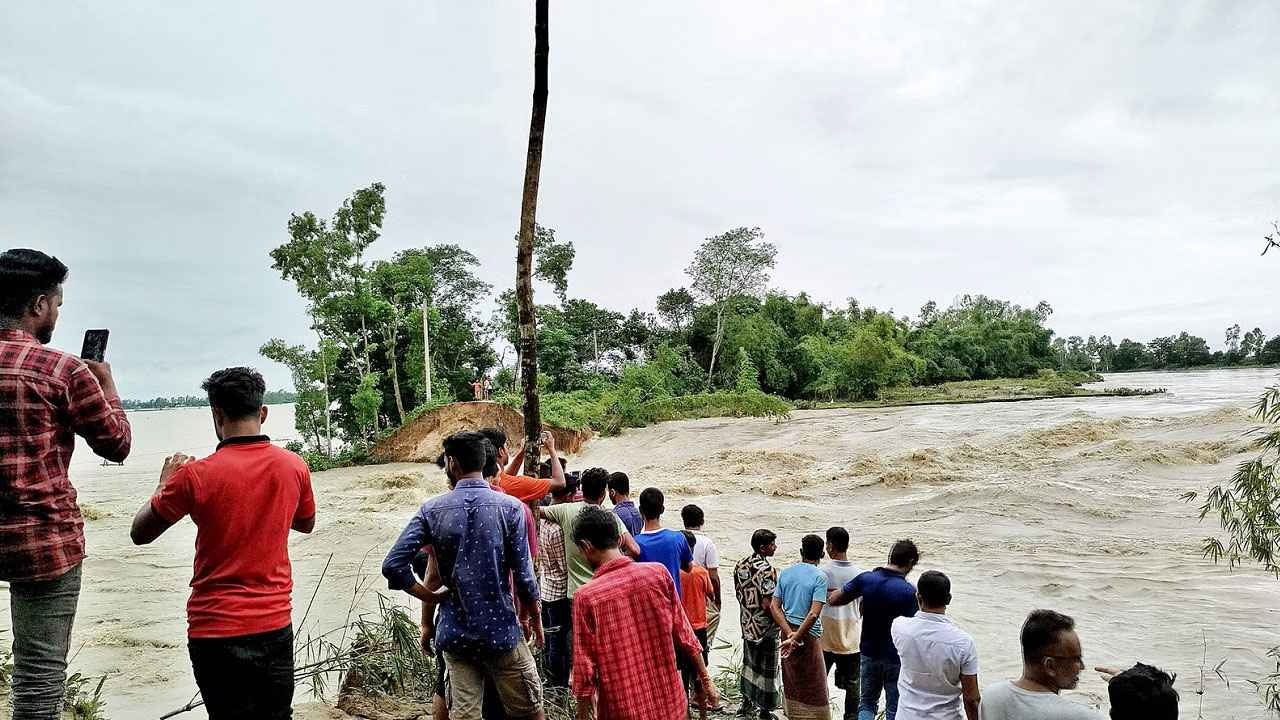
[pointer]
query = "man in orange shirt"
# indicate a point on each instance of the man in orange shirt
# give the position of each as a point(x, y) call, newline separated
point(522, 487)
point(695, 590)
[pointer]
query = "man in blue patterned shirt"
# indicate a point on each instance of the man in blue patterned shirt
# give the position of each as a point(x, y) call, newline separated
point(480, 541)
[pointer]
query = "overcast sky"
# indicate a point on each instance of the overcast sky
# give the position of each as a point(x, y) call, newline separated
point(1120, 160)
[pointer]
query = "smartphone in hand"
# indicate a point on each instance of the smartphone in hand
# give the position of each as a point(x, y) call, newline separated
point(95, 345)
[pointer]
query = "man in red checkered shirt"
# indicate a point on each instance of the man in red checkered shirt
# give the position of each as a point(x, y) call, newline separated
point(628, 625)
point(46, 399)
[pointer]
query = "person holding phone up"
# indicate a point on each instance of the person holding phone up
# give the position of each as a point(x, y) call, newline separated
point(47, 397)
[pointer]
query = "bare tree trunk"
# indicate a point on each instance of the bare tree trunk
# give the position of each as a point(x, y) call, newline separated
point(395, 374)
point(324, 370)
point(715, 347)
point(426, 347)
point(524, 253)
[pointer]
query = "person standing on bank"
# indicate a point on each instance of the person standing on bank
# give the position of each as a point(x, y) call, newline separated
point(797, 610)
point(886, 595)
point(938, 679)
point(47, 397)
point(480, 541)
point(842, 626)
point(754, 582)
point(244, 499)
point(706, 555)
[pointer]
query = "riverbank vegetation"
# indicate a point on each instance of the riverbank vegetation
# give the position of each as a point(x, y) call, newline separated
point(272, 397)
point(398, 335)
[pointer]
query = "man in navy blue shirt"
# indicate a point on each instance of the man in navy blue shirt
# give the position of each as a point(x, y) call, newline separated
point(479, 538)
point(886, 595)
point(658, 544)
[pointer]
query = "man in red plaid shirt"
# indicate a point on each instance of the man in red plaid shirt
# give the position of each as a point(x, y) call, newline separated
point(46, 399)
point(628, 625)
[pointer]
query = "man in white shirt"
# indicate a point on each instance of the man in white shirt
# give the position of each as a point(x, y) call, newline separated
point(706, 555)
point(842, 626)
point(939, 675)
point(1051, 662)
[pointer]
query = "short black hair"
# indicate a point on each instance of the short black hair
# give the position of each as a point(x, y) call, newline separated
point(468, 450)
point(544, 467)
point(620, 483)
point(236, 391)
point(495, 436)
point(24, 276)
point(1144, 692)
point(490, 460)
point(692, 516)
point(811, 547)
point(904, 554)
point(598, 527)
point(594, 482)
point(652, 503)
point(690, 538)
point(934, 588)
point(762, 537)
point(1040, 633)
point(839, 538)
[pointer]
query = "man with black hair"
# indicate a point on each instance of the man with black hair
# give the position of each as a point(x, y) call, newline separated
point(47, 397)
point(658, 544)
point(842, 626)
point(522, 487)
point(1142, 692)
point(885, 595)
point(623, 507)
point(480, 542)
point(797, 609)
point(755, 581)
point(938, 679)
point(244, 499)
point(553, 576)
point(1052, 661)
point(636, 602)
point(707, 555)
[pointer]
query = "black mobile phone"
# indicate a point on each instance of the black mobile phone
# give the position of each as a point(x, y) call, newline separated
point(95, 345)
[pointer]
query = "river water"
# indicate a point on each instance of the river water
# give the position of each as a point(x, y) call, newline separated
point(1070, 504)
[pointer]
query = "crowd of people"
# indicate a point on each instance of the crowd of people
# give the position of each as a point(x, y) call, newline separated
point(623, 610)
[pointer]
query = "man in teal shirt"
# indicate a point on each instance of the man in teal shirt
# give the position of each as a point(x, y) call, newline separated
point(797, 609)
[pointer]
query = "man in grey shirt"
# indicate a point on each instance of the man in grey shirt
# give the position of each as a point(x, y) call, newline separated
point(1051, 662)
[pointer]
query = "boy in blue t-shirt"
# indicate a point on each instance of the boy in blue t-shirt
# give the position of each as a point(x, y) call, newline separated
point(659, 545)
point(797, 609)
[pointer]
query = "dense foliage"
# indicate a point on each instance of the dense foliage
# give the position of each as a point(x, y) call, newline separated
point(723, 344)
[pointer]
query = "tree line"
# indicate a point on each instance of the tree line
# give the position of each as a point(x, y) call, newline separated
point(396, 336)
point(271, 397)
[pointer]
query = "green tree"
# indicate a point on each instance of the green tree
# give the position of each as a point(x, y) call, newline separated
point(726, 266)
point(676, 308)
point(309, 370)
point(1251, 345)
point(554, 260)
point(748, 376)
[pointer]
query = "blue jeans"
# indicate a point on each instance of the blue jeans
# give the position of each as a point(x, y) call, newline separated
point(876, 675)
point(42, 612)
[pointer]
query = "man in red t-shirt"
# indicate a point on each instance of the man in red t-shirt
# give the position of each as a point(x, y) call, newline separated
point(243, 499)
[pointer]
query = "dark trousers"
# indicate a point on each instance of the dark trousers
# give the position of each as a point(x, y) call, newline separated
point(557, 624)
point(847, 672)
point(249, 676)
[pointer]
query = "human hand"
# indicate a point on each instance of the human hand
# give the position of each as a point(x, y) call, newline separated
point(710, 693)
point(172, 464)
point(428, 634)
point(548, 441)
point(1107, 673)
point(539, 637)
point(102, 371)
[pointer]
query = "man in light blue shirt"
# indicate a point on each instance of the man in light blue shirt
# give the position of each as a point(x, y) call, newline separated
point(797, 609)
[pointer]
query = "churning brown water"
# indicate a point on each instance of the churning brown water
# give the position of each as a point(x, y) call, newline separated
point(1068, 504)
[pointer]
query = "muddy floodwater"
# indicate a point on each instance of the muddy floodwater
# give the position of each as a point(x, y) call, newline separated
point(1068, 504)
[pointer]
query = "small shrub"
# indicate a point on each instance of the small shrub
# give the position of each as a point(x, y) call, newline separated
point(79, 703)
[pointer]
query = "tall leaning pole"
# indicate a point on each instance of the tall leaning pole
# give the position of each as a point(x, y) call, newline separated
point(524, 249)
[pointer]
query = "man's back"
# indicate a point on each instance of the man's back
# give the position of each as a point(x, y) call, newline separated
point(481, 543)
point(934, 654)
point(798, 587)
point(243, 499)
point(46, 398)
point(1006, 701)
point(625, 621)
point(841, 626)
point(886, 595)
point(667, 548)
point(630, 516)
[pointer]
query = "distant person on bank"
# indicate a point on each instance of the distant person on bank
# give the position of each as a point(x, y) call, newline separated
point(244, 499)
point(47, 397)
point(1052, 661)
point(938, 679)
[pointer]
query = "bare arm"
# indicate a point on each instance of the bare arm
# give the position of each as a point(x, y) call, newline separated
point(557, 470)
point(147, 523)
point(775, 611)
point(629, 546)
point(715, 584)
point(815, 610)
point(304, 525)
point(972, 696)
point(513, 465)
